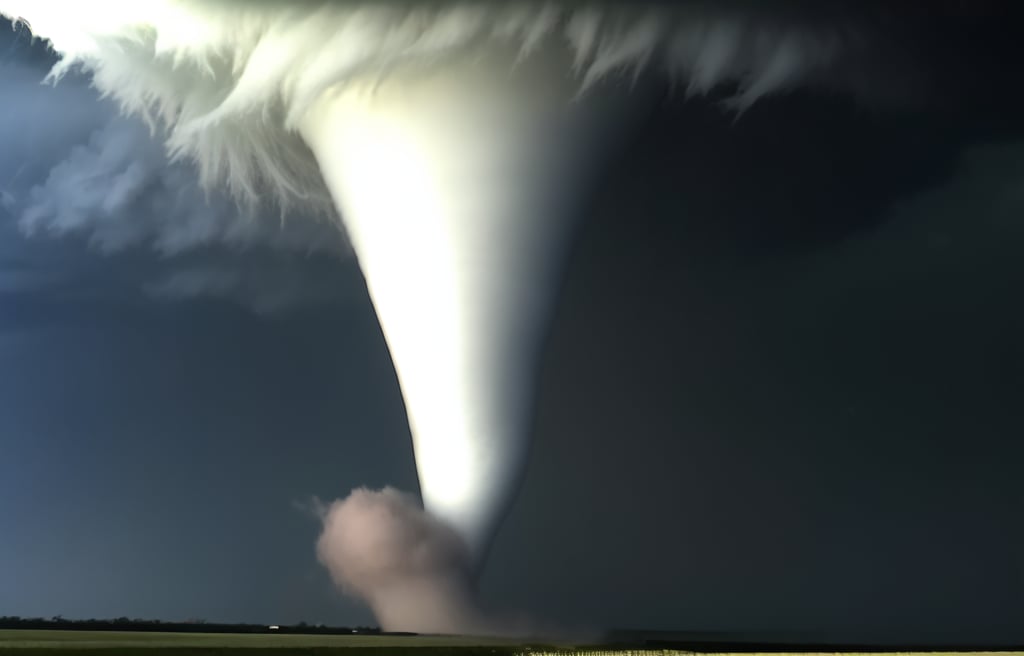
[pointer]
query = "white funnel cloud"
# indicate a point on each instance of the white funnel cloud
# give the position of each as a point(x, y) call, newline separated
point(457, 188)
point(453, 139)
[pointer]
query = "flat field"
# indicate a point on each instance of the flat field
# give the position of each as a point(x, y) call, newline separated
point(124, 643)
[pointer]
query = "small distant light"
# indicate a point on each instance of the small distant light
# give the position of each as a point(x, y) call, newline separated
point(273, 627)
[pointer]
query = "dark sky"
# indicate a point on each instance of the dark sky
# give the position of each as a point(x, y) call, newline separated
point(782, 388)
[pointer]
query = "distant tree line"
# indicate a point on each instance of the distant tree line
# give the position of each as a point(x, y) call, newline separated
point(189, 626)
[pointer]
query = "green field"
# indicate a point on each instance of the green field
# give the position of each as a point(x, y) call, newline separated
point(124, 643)
point(29, 638)
point(95, 643)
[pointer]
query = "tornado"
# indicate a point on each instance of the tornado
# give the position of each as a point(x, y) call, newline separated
point(454, 144)
point(457, 189)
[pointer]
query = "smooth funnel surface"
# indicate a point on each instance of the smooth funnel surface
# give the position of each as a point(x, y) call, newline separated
point(458, 186)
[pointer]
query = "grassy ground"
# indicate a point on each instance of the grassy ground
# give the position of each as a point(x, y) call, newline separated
point(115, 643)
point(38, 639)
point(122, 643)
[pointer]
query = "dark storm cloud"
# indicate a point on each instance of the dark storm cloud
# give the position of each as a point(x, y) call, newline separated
point(78, 181)
point(946, 230)
point(119, 190)
point(15, 280)
point(36, 129)
point(821, 435)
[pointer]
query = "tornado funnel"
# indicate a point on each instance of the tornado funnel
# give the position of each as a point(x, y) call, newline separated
point(458, 187)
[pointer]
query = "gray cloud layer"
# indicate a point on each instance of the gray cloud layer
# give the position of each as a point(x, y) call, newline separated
point(78, 181)
point(120, 191)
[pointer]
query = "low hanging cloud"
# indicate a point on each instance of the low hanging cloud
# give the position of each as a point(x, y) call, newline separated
point(265, 285)
point(84, 193)
point(119, 191)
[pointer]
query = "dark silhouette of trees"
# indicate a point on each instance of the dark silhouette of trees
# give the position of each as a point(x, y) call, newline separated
point(58, 622)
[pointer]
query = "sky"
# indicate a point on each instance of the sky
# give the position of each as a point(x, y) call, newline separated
point(780, 391)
